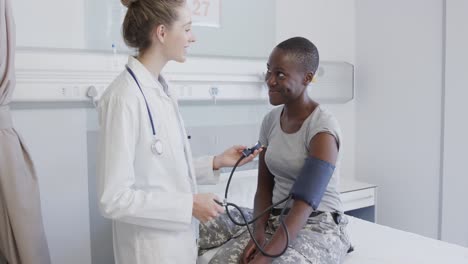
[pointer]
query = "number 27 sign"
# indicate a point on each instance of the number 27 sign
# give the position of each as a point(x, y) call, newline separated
point(205, 12)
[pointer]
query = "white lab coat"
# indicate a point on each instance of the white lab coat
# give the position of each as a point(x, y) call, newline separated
point(149, 197)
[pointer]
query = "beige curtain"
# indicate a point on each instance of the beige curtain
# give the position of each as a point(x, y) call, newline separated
point(22, 238)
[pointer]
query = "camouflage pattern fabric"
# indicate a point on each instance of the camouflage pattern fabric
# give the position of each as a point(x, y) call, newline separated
point(321, 241)
point(221, 230)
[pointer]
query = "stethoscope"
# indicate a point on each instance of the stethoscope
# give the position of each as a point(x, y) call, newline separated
point(156, 145)
point(246, 223)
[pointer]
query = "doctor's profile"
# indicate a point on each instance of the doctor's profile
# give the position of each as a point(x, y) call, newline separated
point(147, 178)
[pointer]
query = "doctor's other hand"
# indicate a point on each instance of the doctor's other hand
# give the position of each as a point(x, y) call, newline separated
point(231, 155)
point(205, 208)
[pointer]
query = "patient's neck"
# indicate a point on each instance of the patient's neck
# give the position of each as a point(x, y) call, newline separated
point(299, 109)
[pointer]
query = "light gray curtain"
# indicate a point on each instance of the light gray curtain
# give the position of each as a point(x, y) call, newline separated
point(22, 238)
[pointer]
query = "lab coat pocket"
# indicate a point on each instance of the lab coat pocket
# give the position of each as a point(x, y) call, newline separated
point(168, 247)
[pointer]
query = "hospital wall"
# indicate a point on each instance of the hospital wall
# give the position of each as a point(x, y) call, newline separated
point(454, 213)
point(58, 138)
point(411, 94)
point(399, 55)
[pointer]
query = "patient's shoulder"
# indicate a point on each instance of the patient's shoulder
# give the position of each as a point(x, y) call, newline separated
point(273, 116)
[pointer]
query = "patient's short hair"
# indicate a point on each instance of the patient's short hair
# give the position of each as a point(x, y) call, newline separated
point(303, 50)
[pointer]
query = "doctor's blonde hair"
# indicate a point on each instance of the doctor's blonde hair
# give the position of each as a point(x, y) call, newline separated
point(143, 15)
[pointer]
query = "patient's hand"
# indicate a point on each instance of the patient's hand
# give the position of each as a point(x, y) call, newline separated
point(205, 208)
point(251, 249)
point(260, 259)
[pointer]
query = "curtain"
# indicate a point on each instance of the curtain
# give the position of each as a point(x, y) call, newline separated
point(22, 238)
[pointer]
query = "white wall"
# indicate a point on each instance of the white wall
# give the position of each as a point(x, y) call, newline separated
point(36, 30)
point(330, 25)
point(455, 180)
point(56, 139)
point(399, 58)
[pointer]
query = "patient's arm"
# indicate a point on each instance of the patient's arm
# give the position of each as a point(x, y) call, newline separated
point(322, 146)
point(263, 200)
point(264, 194)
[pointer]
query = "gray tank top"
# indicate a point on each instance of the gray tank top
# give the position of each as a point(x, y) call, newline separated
point(286, 153)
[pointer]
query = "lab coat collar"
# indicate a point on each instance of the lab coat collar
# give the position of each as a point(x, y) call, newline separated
point(146, 78)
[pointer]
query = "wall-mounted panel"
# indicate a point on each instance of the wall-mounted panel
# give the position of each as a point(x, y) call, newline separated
point(49, 77)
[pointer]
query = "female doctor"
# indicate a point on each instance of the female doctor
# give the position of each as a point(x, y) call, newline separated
point(147, 181)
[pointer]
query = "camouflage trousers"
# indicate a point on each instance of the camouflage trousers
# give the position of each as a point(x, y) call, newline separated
point(321, 241)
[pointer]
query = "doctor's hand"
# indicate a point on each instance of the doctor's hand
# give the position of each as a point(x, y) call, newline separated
point(205, 208)
point(231, 155)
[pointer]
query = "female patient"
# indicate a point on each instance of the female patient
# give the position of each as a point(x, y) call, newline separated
point(298, 132)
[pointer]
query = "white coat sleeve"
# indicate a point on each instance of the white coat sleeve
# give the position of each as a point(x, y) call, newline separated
point(118, 198)
point(204, 171)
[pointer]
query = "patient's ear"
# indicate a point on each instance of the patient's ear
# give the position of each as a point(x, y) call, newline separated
point(308, 78)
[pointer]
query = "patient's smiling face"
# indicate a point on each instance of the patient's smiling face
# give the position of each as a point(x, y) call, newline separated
point(286, 78)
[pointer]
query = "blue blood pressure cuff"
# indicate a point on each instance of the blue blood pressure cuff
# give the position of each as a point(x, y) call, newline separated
point(312, 182)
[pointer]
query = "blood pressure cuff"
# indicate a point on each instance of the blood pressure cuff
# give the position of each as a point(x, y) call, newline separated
point(312, 182)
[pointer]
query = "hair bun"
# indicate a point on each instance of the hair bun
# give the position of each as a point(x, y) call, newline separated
point(127, 3)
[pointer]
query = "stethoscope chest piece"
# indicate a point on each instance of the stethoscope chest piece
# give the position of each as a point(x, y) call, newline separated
point(157, 147)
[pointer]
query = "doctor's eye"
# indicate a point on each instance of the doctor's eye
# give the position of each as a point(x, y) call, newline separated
point(281, 76)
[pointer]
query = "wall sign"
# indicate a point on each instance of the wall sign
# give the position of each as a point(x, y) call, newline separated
point(205, 13)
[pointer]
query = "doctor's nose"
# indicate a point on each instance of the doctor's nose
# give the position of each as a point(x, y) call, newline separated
point(192, 38)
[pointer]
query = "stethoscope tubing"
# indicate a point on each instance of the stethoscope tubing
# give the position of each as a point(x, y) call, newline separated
point(246, 223)
point(144, 97)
